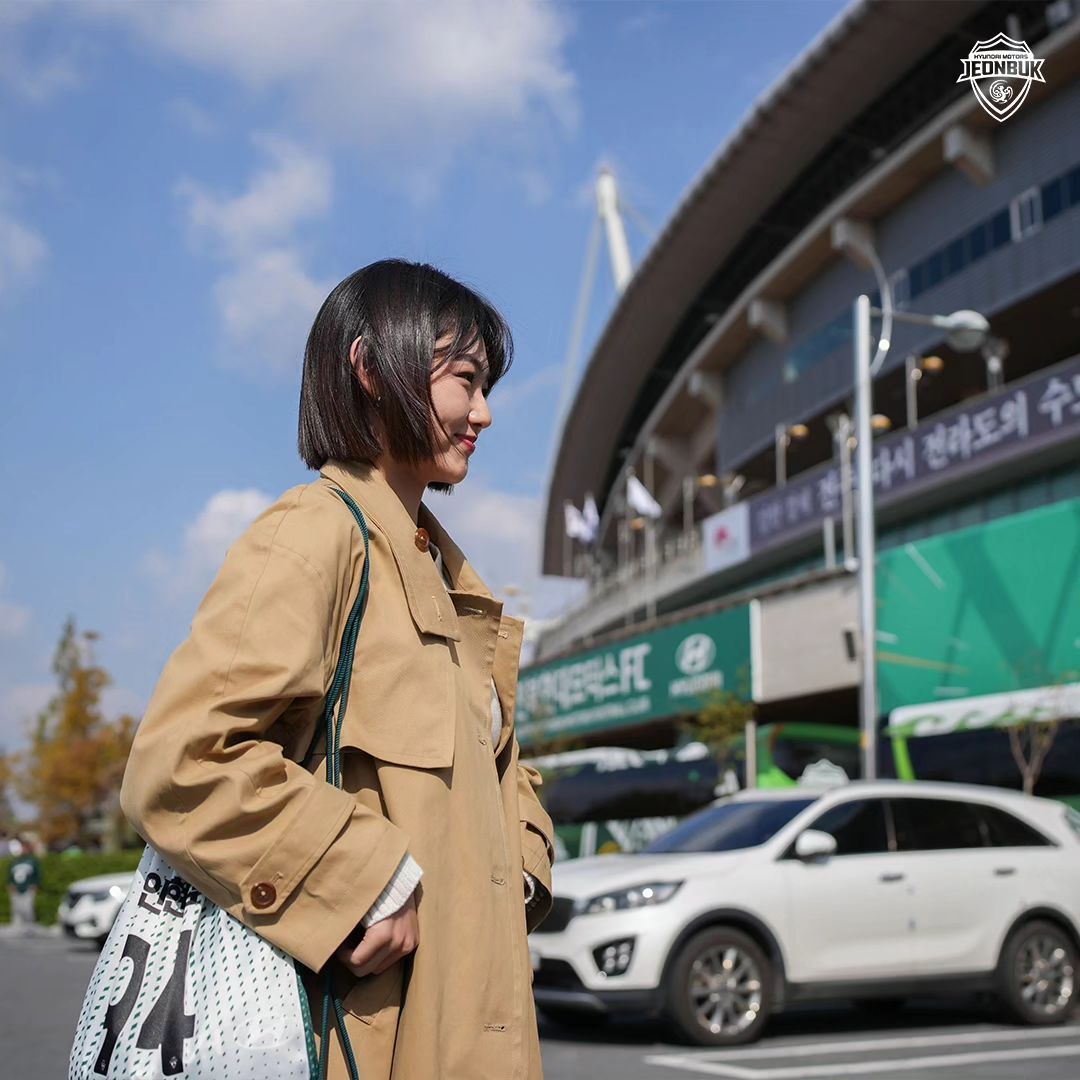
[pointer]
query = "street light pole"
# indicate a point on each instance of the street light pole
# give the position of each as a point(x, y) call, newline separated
point(868, 707)
point(965, 331)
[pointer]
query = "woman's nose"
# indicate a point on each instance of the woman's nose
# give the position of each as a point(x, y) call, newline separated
point(480, 414)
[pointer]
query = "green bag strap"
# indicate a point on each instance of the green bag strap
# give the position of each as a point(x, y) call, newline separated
point(338, 697)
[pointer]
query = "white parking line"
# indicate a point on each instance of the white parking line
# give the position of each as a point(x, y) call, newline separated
point(747, 1064)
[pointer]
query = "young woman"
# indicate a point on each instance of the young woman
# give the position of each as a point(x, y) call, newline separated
point(418, 881)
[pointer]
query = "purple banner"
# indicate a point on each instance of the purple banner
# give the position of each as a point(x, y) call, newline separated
point(1043, 403)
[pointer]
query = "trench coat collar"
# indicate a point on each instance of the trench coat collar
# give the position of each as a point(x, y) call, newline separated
point(431, 606)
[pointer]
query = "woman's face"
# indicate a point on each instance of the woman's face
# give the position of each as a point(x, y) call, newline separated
point(459, 401)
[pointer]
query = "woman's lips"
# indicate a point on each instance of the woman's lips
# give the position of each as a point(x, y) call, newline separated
point(470, 444)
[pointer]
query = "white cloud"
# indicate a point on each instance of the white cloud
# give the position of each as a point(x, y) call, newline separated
point(267, 304)
point(417, 82)
point(206, 540)
point(13, 620)
point(194, 117)
point(22, 252)
point(36, 75)
point(265, 298)
point(509, 397)
point(19, 706)
point(500, 535)
point(117, 701)
point(292, 187)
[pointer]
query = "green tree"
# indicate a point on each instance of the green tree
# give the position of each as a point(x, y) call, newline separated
point(721, 720)
point(72, 771)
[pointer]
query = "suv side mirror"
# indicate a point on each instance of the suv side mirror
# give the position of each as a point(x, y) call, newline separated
point(814, 844)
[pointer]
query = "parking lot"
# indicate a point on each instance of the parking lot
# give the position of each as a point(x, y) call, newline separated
point(43, 978)
point(925, 1041)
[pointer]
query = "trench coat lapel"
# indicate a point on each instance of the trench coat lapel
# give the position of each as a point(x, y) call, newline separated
point(432, 609)
point(464, 579)
point(431, 605)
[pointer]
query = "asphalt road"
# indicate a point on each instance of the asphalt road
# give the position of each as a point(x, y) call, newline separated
point(42, 979)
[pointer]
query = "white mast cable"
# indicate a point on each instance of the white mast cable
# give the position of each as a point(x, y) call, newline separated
point(577, 331)
point(639, 219)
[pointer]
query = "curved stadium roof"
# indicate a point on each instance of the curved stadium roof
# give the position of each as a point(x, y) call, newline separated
point(806, 139)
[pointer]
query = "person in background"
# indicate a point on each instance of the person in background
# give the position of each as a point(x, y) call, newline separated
point(24, 880)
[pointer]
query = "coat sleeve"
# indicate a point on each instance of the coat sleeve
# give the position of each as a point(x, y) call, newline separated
point(537, 849)
point(289, 855)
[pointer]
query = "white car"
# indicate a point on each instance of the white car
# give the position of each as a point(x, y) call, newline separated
point(89, 907)
point(877, 890)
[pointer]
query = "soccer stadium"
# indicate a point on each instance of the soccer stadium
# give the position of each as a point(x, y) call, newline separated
point(713, 424)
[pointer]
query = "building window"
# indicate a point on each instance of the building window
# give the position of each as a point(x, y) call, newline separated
point(1026, 214)
point(955, 259)
point(935, 269)
point(1053, 198)
point(901, 294)
point(1072, 186)
point(979, 241)
point(1000, 229)
point(916, 280)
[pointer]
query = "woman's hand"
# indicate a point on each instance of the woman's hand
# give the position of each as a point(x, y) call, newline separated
point(384, 943)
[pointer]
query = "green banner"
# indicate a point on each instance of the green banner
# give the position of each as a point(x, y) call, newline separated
point(984, 610)
point(665, 673)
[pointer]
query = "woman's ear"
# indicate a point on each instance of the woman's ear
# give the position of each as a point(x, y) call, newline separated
point(357, 358)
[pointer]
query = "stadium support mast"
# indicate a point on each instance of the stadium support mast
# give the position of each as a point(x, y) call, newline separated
point(608, 215)
point(607, 202)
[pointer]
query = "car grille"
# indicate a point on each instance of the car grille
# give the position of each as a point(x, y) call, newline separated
point(556, 975)
point(558, 919)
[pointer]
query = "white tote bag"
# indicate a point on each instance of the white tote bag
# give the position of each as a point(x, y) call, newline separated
point(183, 989)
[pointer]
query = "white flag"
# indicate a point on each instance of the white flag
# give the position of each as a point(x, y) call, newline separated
point(592, 517)
point(637, 495)
point(576, 526)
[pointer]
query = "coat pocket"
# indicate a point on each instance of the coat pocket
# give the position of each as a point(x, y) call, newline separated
point(372, 994)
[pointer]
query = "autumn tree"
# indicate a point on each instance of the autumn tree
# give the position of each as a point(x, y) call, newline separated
point(72, 771)
point(8, 821)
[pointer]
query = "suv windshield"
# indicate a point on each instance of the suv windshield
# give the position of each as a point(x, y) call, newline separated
point(729, 827)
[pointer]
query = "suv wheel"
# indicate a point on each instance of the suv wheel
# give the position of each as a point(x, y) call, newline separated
point(718, 990)
point(1037, 973)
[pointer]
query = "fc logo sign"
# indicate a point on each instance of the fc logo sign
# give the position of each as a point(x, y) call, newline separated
point(1001, 72)
point(695, 654)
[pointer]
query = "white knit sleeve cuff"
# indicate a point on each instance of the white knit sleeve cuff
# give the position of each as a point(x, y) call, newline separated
point(406, 877)
point(530, 886)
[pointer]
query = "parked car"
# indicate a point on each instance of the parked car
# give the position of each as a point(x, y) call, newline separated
point(877, 890)
point(89, 907)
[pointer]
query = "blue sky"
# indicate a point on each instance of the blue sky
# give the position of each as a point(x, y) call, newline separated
point(180, 186)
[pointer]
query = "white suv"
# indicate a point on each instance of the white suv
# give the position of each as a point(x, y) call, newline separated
point(874, 890)
point(89, 907)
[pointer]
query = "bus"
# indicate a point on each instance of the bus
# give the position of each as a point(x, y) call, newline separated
point(612, 799)
point(984, 756)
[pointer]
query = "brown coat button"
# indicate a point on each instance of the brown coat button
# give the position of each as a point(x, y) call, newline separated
point(422, 539)
point(263, 894)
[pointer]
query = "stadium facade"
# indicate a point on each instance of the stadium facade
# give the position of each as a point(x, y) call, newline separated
point(724, 380)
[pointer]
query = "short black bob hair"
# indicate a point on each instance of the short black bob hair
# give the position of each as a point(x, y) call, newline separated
point(399, 310)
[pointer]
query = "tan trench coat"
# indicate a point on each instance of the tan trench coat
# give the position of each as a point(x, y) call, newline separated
point(214, 781)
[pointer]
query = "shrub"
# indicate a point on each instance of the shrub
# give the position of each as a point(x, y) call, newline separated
point(58, 872)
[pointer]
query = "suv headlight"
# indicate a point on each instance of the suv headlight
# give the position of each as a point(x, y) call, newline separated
point(656, 892)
